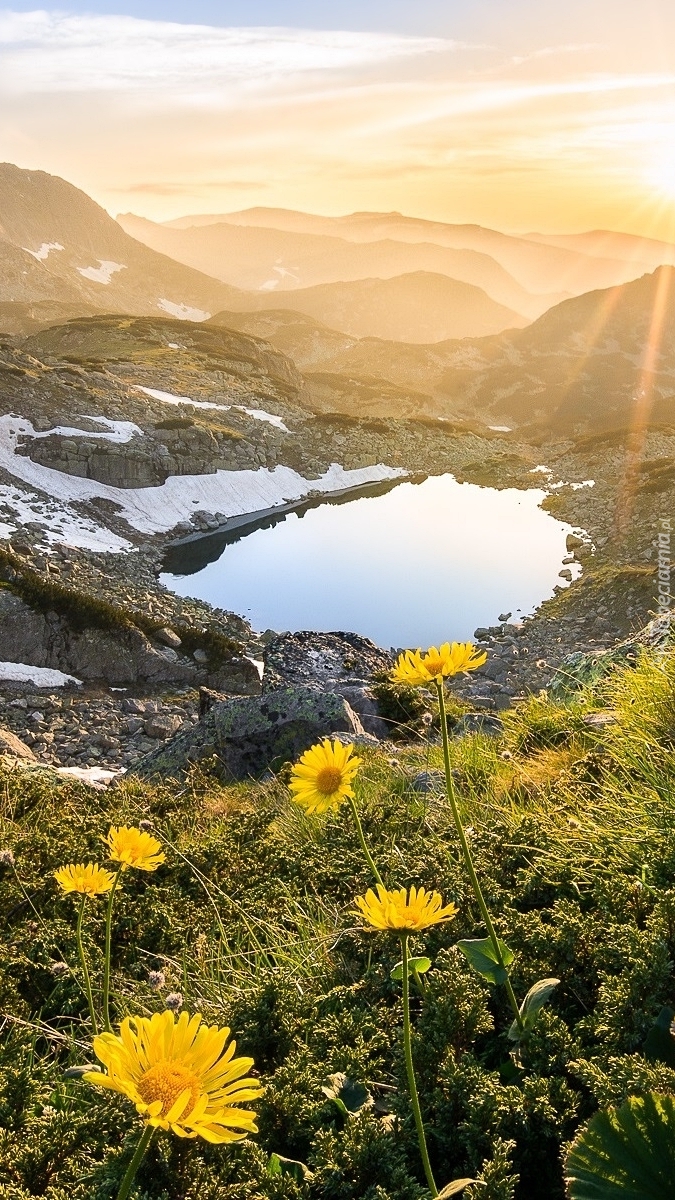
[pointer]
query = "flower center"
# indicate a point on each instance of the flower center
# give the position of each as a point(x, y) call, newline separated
point(434, 666)
point(165, 1081)
point(328, 780)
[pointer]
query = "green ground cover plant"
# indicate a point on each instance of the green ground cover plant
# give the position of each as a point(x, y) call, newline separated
point(250, 921)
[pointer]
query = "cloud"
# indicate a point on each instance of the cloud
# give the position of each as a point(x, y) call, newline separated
point(46, 52)
point(188, 186)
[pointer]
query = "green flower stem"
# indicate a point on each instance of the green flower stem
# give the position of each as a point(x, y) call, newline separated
point(468, 860)
point(410, 1069)
point(106, 963)
point(135, 1163)
point(85, 969)
point(362, 840)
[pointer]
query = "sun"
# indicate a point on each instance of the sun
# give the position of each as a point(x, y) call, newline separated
point(660, 170)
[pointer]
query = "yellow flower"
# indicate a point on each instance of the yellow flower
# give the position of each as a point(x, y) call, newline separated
point(395, 910)
point(322, 778)
point(86, 878)
point(134, 848)
point(417, 669)
point(179, 1075)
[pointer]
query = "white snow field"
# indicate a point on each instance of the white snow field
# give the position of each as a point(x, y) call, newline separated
point(183, 311)
point(40, 676)
point(157, 509)
point(103, 273)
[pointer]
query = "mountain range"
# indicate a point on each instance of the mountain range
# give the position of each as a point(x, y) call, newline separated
point(536, 262)
point(393, 344)
point(582, 366)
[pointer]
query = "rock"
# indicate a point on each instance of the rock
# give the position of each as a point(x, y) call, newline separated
point(121, 656)
point(238, 676)
point(168, 638)
point(11, 744)
point(251, 734)
point(428, 781)
point(329, 661)
point(600, 720)
point(478, 722)
point(503, 617)
point(200, 656)
point(365, 705)
point(207, 699)
point(162, 726)
point(565, 574)
point(573, 542)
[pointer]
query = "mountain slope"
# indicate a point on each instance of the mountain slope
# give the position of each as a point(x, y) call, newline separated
point(578, 369)
point(279, 260)
point(420, 307)
point(538, 267)
point(56, 244)
point(605, 242)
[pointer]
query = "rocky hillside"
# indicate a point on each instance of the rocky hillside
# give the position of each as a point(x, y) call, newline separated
point(57, 245)
point(576, 370)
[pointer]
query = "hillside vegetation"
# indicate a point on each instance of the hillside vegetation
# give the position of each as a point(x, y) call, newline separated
point(571, 822)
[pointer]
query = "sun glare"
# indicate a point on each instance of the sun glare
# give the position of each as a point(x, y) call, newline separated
point(661, 175)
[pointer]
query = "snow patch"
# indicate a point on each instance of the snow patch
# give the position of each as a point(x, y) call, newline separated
point(261, 415)
point(500, 428)
point(159, 509)
point(169, 398)
point(103, 273)
point(120, 431)
point(40, 676)
point(96, 777)
point(60, 522)
point(258, 413)
point(44, 250)
point(183, 311)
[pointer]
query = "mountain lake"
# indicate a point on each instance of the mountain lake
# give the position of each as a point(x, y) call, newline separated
point(405, 564)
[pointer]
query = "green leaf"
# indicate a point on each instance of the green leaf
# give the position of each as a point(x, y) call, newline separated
point(346, 1094)
point(421, 965)
point(278, 1165)
point(659, 1044)
point(480, 953)
point(538, 995)
point(626, 1153)
point(452, 1189)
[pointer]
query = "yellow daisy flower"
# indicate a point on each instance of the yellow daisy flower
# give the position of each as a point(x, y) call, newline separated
point(86, 878)
point(179, 1075)
point(322, 777)
point(398, 911)
point(417, 669)
point(134, 848)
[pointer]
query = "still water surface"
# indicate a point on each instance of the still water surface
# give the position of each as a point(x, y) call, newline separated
point(423, 563)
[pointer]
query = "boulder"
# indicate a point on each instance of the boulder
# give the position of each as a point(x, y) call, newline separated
point(325, 660)
point(366, 707)
point(11, 744)
point(247, 736)
point(478, 722)
point(237, 676)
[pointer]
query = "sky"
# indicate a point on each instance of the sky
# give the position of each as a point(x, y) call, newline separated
point(508, 113)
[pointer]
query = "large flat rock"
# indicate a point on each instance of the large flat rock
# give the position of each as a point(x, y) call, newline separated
point(247, 736)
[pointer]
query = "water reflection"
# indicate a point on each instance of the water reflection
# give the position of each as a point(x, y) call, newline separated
point(423, 562)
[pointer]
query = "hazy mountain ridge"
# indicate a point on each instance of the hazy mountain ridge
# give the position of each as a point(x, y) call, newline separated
point(259, 258)
point(537, 266)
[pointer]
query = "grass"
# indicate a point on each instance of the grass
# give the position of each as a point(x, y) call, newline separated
point(573, 832)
